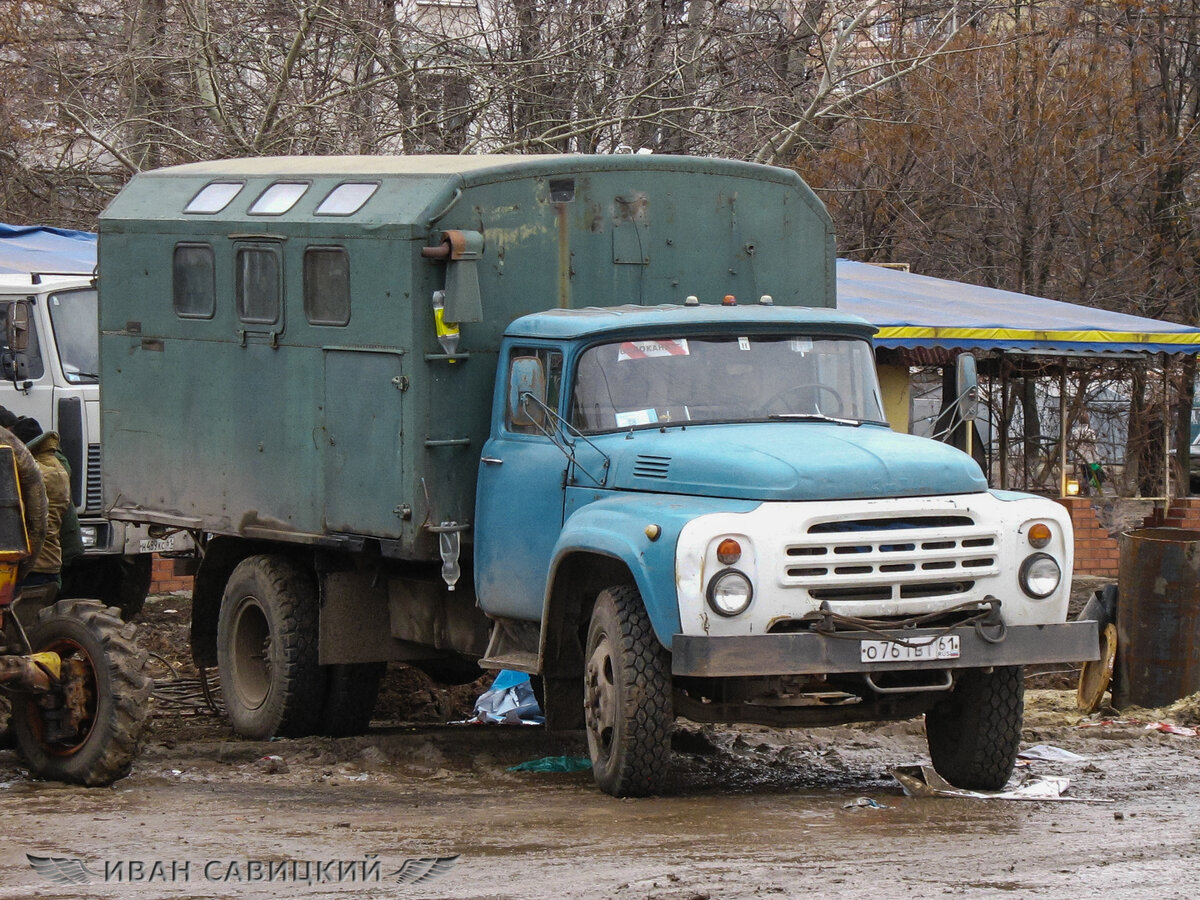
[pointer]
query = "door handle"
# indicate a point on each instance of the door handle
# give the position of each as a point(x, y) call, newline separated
point(491, 460)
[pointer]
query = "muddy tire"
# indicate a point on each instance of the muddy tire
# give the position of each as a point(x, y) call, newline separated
point(102, 667)
point(120, 581)
point(271, 681)
point(627, 696)
point(975, 732)
point(350, 698)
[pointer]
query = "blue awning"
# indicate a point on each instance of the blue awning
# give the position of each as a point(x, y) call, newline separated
point(36, 248)
point(916, 311)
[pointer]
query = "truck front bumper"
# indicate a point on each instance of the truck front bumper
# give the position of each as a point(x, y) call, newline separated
point(813, 653)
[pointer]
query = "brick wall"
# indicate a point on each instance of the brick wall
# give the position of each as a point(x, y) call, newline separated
point(1182, 513)
point(163, 579)
point(1096, 551)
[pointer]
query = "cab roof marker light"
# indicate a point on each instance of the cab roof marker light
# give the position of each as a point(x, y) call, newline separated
point(729, 300)
point(766, 300)
point(691, 300)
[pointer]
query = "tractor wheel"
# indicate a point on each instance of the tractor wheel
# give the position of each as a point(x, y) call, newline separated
point(87, 731)
point(627, 696)
point(975, 732)
point(271, 681)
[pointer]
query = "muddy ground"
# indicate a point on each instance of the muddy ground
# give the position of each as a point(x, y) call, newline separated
point(749, 812)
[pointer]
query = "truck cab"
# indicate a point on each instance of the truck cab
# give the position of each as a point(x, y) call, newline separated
point(53, 376)
point(777, 554)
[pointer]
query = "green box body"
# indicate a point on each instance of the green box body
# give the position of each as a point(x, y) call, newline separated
point(369, 430)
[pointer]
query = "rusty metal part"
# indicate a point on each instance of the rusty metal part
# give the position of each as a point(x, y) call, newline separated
point(1158, 618)
point(78, 693)
point(465, 245)
point(30, 673)
point(1096, 675)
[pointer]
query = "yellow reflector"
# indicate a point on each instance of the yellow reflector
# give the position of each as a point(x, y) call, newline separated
point(1039, 535)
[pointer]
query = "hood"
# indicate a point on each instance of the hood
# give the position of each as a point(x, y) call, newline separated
point(787, 461)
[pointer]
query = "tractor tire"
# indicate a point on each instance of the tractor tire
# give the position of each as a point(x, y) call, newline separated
point(627, 696)
point(975, 732)
point(350, 698)
point(120, 581)
point(100, 658)
point(271, 681)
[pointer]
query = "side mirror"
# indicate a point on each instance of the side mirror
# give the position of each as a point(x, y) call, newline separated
point(967, 386)
point(526, 376)
point(16, 328)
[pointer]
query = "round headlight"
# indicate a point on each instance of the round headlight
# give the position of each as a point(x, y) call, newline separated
point(1040, 575)
point(729, 593)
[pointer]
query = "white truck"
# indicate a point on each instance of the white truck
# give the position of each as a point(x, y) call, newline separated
point(55, 380)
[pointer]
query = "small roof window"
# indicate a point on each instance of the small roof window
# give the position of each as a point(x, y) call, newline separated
point(347, 199)
point(278, 198)
point(214, 197)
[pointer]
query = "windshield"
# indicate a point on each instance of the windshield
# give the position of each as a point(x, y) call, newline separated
point(725, 379)
point(76, 331)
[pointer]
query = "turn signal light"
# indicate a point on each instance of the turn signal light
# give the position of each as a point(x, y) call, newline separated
point(729, 551)
point(1039, 535)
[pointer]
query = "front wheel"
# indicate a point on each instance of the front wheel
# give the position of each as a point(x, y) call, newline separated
point(267, 636)
point(86, 730)
point(975, 732)
point(627, 697)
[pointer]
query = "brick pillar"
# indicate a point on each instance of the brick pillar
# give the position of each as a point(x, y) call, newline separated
point(1184, 512)
point(163, 579)
point(1096, 551)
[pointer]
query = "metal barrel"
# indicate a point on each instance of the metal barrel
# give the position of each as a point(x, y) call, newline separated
point(1158, 618)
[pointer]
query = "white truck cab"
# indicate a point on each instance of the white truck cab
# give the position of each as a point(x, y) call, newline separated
point(55, 380)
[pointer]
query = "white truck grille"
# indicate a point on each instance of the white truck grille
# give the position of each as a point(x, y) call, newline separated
point(94, 500)
point(906, 557)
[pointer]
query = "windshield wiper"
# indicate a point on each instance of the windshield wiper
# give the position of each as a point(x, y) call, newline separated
point(815, 417)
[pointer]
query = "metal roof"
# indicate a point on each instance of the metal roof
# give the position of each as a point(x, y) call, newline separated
point(916, 311)
point(36, 248)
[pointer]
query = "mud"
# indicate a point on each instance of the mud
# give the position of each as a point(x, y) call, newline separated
point(748, 812)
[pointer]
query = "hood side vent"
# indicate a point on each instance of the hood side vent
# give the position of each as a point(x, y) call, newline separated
point(646, 466)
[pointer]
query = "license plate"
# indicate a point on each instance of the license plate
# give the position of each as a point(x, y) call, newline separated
point(945, 647)
point(160, 545)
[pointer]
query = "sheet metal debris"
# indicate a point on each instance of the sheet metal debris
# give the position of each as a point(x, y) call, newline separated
point(923, 781)
point(1047, 753)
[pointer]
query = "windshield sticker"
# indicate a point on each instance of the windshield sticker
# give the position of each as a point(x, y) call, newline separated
point(743, 343)
point(651, 349)
point(800, 345)
point(636, 417)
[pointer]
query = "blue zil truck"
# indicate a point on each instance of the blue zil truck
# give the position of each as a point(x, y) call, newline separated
point(594, 418)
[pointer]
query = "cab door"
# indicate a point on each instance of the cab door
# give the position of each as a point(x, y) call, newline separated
point(519, 499)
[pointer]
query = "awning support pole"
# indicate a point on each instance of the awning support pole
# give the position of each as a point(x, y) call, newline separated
point(1062, 430)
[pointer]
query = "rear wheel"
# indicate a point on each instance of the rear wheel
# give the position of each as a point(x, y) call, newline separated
point(87, 730)
point(975, 732)
point(627, 696)
point(271, 681)
point(350, 697)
